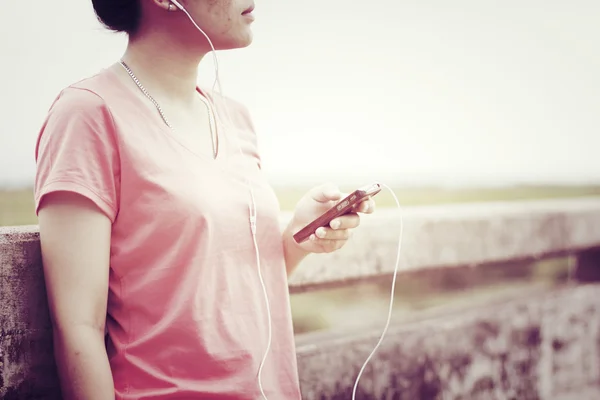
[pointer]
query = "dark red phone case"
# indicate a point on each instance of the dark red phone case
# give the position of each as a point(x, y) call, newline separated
point(344, 206)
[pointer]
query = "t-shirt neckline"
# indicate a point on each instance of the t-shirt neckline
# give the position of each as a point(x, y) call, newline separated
point(222, 154)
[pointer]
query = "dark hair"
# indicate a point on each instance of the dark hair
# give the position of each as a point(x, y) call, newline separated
point(118, 15)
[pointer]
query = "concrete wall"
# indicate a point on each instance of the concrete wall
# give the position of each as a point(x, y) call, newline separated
point(540, 347)
point(543, 346)
point(456, 235)
point(26, 362)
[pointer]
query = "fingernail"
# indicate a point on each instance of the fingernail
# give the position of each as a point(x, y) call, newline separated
point(366, 207)
point(320, 232)
point(335, 224)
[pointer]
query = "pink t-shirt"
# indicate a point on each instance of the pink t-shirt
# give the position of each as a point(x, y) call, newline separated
point(186, 311)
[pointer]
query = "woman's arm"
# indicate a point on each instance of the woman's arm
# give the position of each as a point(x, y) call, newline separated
point(326, 239)
point(292, 252)
point(75, 241)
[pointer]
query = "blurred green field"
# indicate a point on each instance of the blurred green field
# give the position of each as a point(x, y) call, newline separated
point(365, 304)
point(408, 196)
point(16, 206)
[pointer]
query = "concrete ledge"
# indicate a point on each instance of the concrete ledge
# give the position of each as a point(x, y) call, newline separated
point(544, 346)
point(456, 235)
point(450, 357)
point(27, 369)
point(437, 236)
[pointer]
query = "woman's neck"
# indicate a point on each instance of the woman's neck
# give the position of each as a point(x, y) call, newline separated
point(166, 68)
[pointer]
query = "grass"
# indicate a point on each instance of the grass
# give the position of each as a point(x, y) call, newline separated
point(365, 304)
point(288, 196)
point(17, 206)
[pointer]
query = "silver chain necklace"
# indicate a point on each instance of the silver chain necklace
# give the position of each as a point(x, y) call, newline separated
point(161, 112)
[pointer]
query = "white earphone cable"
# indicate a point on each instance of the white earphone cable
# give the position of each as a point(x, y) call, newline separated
point(251, 207)
point(253, 218)
point(264, 288)
point(393, 289)
point(217, 81)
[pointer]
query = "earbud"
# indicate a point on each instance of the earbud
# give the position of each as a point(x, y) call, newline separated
point(177, 4)
point(217, 81)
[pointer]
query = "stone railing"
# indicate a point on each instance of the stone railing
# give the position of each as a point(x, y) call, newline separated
point(543, 344)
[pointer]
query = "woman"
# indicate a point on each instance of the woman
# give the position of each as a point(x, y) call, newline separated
point(142, 193)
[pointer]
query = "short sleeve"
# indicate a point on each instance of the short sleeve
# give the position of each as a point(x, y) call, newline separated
point(247, 118)
point(77, 151)
point(247, 124)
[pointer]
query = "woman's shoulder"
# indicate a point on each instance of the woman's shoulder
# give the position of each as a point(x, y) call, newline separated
point(89, 93)
point(79, 112)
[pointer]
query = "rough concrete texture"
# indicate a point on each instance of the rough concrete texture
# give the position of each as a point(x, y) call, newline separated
point(540, 347)
point(456, 235)
point(26, 361)
point(432, 354)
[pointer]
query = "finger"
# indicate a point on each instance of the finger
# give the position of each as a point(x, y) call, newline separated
point(332, 234)
point(326, 192)
point(367, 206)
point(326, 244)
point(348, 221)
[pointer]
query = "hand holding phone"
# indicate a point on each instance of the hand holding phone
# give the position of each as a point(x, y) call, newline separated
point(344, 206)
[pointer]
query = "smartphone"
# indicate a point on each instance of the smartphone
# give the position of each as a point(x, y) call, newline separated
point(344, 206)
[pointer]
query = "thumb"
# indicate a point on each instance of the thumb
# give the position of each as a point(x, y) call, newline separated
point(325, 193)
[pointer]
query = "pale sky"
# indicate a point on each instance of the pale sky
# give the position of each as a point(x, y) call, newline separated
point(417, 91)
